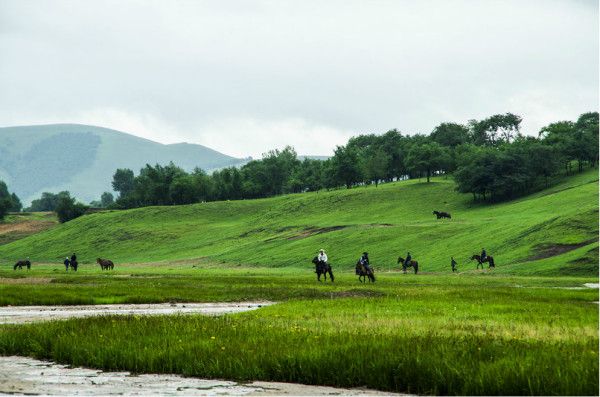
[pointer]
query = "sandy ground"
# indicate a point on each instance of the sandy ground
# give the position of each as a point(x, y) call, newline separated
point(27, 314)
point(21, 375)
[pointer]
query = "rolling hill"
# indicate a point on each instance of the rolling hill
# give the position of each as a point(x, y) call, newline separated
point(83, 158)
point(552, 232)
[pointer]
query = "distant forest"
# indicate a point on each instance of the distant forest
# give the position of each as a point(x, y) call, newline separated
point(488, 158)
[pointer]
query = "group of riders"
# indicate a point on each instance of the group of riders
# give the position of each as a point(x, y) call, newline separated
point(72, 263)
point(363, 266)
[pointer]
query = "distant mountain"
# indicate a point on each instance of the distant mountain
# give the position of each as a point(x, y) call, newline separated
point(83, 158)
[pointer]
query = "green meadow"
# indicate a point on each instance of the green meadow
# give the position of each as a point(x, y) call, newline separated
point(528, 327)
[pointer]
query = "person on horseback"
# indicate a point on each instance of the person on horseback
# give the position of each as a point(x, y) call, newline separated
point(364, 260)
point(322, 258)
point(453, 264)
point(483, 255)
point(73, 257)
point(67, 263)
point(408, 259)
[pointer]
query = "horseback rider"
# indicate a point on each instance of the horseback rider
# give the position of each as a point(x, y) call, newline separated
point(73, 258)
point(483, 255)
point(453, 264)
point(364, 260)
point(67, 263)
point(322, 258)
point(408, 259)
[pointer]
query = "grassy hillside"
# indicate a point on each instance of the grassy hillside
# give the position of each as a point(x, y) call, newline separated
point(83, 158)
point(20, 225)
point(550, 233)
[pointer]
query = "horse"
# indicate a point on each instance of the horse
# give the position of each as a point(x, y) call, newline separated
point(105, 264)
point(441, 215)
point(20, 265)
point(322, 268)
point(363, 273)
point(489, 259)
point(73, 265)
point(411, 263)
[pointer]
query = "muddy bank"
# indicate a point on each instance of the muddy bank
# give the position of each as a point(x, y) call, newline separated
point(22, 375)
point(27, 314)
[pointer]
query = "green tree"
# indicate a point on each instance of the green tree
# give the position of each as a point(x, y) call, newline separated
point(376, 165)
point(346, 166)
point(450, 134)
point(47, 202)
point(107, 199)
point(427, 158)
point(68, 209)
point(123, 182)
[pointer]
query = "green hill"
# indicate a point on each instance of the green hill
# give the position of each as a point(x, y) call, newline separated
point(550, 233)
point(83, 158)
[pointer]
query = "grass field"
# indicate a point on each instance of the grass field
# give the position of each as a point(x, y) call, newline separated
point(553, 232)
point(476, 333)
point(527, 327)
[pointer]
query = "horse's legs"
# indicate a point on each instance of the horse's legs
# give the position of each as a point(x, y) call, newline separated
point(331, 275)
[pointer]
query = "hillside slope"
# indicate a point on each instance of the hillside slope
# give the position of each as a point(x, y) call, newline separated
point(552, 232)
point(83, 158)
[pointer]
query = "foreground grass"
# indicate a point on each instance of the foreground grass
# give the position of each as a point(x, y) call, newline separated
point(468, 333)
point(445, 338)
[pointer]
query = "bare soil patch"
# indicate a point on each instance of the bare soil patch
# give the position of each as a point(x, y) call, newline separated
point(312, 231)
point(550, 250)
point(28, 376)
point(28, 314)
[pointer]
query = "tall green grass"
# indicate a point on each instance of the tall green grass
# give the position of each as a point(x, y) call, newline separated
point(425, 339)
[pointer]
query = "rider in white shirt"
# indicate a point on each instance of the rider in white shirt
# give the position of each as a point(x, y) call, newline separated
point(322, 256)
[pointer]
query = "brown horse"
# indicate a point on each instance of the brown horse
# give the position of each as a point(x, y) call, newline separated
point(489, 259)
point(20, 265)
point(105, 264)
point(413, 264)
point(322, 268)
point(363, 273)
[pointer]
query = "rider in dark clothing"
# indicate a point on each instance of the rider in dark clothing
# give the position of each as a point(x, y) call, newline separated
point(453, 264)
point(408, 258)
point(364, 260)
point(67, 263)
point(73, 257)
point(483, 254)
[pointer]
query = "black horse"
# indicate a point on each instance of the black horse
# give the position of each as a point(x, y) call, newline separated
point(73, 265)
point(480, 262)
point(441, 215)
point(20, 265)
point(362, 272)
point(406, 265)
point(322, 268)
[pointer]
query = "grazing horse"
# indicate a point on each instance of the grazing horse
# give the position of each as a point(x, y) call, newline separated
point(363, 273)
point(20, 265)
point(441, 215)
point(322, 268)
point(411, 263)
point(489, 259)
point(105, 264)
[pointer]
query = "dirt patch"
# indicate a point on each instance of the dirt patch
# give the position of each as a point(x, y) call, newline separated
point(550, 250)
point(10, 232)
point(313, 231)
point(25, 280)
point(28, 314)
point(357, 293)
point(28, 376)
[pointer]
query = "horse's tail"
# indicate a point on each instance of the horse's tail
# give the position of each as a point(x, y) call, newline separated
point(15, 266)
point(491, 259)
point(416, 267)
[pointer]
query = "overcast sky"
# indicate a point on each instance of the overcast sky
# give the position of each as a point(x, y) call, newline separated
point(246, 76)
